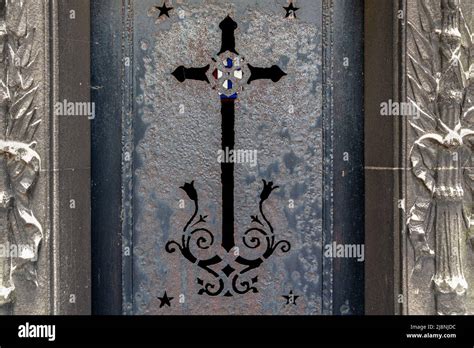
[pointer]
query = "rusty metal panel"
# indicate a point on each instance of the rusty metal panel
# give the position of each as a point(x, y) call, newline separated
point(177, 135)
point(227, 155)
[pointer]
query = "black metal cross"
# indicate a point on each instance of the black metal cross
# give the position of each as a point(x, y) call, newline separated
point(227, 74)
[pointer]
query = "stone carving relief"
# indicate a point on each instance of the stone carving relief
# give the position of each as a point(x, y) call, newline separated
point(20, 231)
point(439, 73)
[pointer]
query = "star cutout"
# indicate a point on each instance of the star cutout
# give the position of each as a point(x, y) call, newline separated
point(164, 10)
point(165, 300)
point(291, 298)
point(291, 10)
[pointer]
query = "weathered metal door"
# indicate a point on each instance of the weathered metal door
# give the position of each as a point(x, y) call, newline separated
point(238, 131)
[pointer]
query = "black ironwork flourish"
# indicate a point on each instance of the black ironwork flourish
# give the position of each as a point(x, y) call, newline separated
point(202, 238)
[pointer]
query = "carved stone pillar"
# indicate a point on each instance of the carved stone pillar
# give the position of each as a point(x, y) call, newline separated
point(42, 268)
point(439, 152)
point(419, 232)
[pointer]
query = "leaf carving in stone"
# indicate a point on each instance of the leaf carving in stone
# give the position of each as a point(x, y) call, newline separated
point(20, 164)
point(439, 73)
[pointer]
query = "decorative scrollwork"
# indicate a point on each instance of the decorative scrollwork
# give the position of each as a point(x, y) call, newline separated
point(226, 279)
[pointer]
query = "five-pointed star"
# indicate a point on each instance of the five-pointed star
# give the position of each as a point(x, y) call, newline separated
point(291, 298)
point(164, 10)
point(291, 10)
point(165, 300)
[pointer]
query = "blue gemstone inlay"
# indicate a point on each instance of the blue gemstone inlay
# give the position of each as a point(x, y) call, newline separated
point(233, 96)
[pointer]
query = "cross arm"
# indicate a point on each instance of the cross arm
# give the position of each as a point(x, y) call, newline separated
point(273, 73)
point(182, 73)
point(228, 27)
